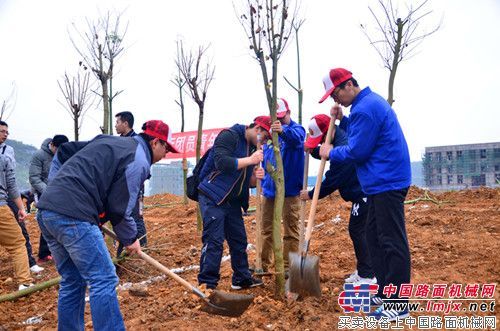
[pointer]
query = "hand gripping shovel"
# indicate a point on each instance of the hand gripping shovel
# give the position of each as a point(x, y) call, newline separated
point(304, 269)
point(220, 303)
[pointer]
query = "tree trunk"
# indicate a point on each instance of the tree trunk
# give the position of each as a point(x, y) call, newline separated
point(75, 127)
point(395, 62)
point(184, 179)
point(110, 123)
point(184, 160)
point(105, 103)
point(279, 198)
point(199, 223)
point(299, 87)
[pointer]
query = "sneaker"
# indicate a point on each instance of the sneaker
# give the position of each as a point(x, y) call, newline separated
point(36, 269)
point(25, 286)
point(376, 301)
point(352, 278)
point(362, 280)
point(45, 260)
point(252, 282)
point(390, 314)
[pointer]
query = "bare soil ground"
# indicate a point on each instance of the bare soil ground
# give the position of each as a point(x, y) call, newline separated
point(455, 242)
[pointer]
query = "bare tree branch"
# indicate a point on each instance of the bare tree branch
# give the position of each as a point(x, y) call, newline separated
point(99, 47)
point(9, 103)
point(77, 100)
point(397, 38)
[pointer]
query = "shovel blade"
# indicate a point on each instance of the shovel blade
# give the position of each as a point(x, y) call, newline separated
point(227, 304)
point(304, 276)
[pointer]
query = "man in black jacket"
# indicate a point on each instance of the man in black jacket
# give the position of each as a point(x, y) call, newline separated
point(343, 177)
point(104, 176)
point(226, 176)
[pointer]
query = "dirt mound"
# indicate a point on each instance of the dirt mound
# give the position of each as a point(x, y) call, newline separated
point(456, 241)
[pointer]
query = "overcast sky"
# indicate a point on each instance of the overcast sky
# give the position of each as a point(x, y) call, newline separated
point(444, 95)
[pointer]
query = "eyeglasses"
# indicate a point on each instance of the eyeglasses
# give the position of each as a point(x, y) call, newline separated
point(335, 93)
point(164, 144)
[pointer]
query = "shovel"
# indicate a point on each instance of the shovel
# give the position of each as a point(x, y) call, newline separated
point(304, 269)
point(219, 302)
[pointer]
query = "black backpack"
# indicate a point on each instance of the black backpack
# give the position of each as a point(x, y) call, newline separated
point(193, 181)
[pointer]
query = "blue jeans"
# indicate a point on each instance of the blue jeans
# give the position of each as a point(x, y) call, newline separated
point(82, 259)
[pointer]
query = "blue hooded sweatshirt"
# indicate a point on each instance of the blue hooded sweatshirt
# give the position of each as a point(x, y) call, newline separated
point(292, 151)
point(376, 145)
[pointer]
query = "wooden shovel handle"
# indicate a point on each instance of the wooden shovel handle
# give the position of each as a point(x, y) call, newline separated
point(166, 271)
point(317, 187)
point(304, 186)
point(156, 264)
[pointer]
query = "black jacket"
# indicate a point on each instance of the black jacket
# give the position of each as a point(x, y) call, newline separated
point(221, 180)
point(340, 177)
point(103, 176)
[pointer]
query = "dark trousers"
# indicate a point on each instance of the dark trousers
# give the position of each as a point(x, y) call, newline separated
point(26, 235)
point(43, 248)
point(224, 222)
point(387, 240)
point(357, 231)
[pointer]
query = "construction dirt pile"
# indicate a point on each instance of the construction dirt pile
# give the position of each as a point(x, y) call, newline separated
point(456, 241)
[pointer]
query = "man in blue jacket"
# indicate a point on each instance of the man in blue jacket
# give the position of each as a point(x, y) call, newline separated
point(102, 176)
point(291, 140)
point(225, 179)
point(342, 177)
point(378, 148)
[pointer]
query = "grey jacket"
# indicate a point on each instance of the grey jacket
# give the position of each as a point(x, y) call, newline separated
point(9, 152)
point(8, 186)
point(39, 168)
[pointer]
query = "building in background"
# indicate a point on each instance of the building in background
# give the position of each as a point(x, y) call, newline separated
point(462, 166)
point(167, 178)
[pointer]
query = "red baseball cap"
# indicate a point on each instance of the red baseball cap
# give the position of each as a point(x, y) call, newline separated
point(318, 128)
point(334, 78)
point(263, 122)
point(281, 108)
point(160, 130)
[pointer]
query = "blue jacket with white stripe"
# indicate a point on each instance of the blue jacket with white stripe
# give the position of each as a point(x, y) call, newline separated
point(376, 144)
point(103, 176)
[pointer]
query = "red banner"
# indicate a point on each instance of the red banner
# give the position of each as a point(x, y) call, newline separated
point(185, 142)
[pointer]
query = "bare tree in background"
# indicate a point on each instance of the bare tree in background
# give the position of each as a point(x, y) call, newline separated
point(198, 73)
point(179, 82)
point(77, 98)
point(268, 26)
point(100, 44)
point(397, 36)
point(9, 103)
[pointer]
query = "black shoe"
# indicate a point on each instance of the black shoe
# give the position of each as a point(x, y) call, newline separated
point(252, 282)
